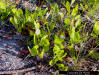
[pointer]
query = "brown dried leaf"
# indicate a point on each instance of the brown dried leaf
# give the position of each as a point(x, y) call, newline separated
point(68, 59)
point(5, 36)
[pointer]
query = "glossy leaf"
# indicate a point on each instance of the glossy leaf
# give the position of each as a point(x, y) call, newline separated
point(31, 33)
point(78, 23)
point(96, 28)
point(68, 6)
point(34, 51)
point(82, 6)
point(11, 20)
point(58, 57)
point(91, 53)
point(54, 8)
point(46, 48)
point(45, 43)
point(14, 10)
point(41, 54)
point(2, 6)
point(60, 65)
point(75, 36)
point(67, 22)
point(15, 20)
point(56, 49)
point(51, 63)
point(77, 17)
point(74, 11)
point(57, 41)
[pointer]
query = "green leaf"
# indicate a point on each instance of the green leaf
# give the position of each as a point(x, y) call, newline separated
point(61, 46)
point(72, 53)
point(85, 1)
point(86, 6)
point(65, 68)
point(72, 2)
point(54, 8)
point(41, 54)
point(82, 7)
point(78, 23)
point(96, 28)
point(91, 1)
point(37, 25)
point(72, 33)
point(27, 14)
point(53, 23)
point(29, 19)
point(74, 11)
point(56, 49)
point(15, 21)
point(51, 63)
point(14, 10)
point(20, 12)
point(44, 41)
point(67, 21)
point(5, 1)
point(77, 17)
point(56, 58)
point(35, 41)
point(68, 6)
point(34, 50)
point(75, 36)
point(47, 42)
point(62, 36)
point(97, 41)
point(95, 55)
point(44, 11)
point(31, 33)
point(12, 20)
point(41, 13)
point(58, 55)
point(93, 35)
point(46, 48)
point(60, 65)
point(2, 6)
point(57, 40)
point(91, 53)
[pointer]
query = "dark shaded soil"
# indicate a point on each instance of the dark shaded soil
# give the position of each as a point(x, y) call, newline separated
point(10, 48)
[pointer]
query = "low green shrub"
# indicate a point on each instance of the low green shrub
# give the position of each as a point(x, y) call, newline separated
point(69, 40)
point(5, 9)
